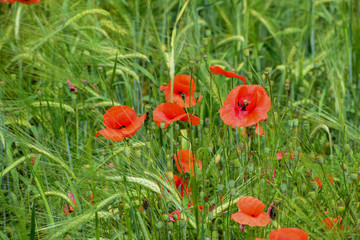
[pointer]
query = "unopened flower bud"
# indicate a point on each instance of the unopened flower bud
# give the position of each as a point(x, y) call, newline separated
point(354, 176)
point(220, 187)
point(231, 184)
point(246, 52)
point(283, 187)
point(162, 125)
point(159, 225)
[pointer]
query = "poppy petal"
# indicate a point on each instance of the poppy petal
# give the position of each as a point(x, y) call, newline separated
point(234, 114)
point(182, 159)
point(119, 116)
point(117, 135)
point(171, 112)
point(261, 220)
point(218, 70)
point(250, 205)
point(181, 88)
point(288, 233)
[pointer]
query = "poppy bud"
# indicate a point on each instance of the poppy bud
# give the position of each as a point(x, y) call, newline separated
point(182, 224)
point(312, 195)
point(313, 185)
point(210, 216)
point(344, 166)
point(162, 125)
point(159, 225)
point(346, 149)
point(267, 151)
point(354, 176)
point(231, 184)
point(208, 32)
point(341, 209)
point(251, 167)
point(296, 122)
point(170, 226)
point(138, 153)
point(205, 41)
point(165, 217)
point(291, 123)
point(196, 95)
point(210, 149)
point(127, 151)
point(207, 121)
point(320, 160)
point(220, 187)
point(283, 187)
point(246, 52)
point(249, 75)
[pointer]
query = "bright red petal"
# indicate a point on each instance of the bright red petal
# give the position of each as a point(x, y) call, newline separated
point(250, 205)
point(27, 1)
point(218, 70)
point(119, 116)
point(261, 220)
point(288, 234)
point(183, 158)
point(181, 87)
point(117, 135)
point(171, 112)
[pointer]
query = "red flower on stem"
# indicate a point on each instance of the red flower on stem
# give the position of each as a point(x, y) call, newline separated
point(171, 112)
point(288, 234)
point(183, 185)
point(28, 2)
point(218, 70)
point(182, 91)
point(279, 155)
point(251, 212)
point(121, 122)
point(333, 223)
point(185, 161)
point(245, 105)
point(318, 180)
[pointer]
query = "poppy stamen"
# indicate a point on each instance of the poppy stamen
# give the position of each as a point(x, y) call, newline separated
point(244, 105)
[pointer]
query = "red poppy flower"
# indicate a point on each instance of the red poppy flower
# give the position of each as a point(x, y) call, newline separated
point(318, 180)
point(251, 212)
point(185, 160)
point(121, 122)
point(258, 130)
point(92, 198)
point(218, 70)
point(171, 112)
point(288, 234)
point(183, 185)
point(245, 105)
point(181, 91)
point(24, 1)
point(279, 155)
point(333, 223)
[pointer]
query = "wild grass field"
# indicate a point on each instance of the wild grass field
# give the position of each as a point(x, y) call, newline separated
point(64, 64)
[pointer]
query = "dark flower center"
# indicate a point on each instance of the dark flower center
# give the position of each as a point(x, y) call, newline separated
point(121, 127)
point(243, 105)
point(183, 95)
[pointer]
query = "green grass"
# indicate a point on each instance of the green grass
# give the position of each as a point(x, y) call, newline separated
point(305, 53)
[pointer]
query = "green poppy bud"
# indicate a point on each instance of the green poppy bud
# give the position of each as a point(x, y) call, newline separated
point(159, 225)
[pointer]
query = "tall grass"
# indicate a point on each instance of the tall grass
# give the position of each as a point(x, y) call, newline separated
point(305, 53)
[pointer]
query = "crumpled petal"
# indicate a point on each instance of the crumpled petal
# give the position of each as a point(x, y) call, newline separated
point(288, 234)
point(117, 135)
point(181, 86)
point(171, 112)
point(260, 220)
point(119, 116)
point(218, 70)
point(183, 158)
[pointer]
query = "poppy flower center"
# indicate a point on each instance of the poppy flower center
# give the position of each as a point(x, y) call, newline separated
point(183, 95)
point(243, 105)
